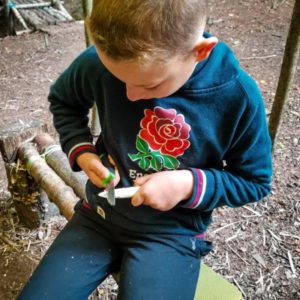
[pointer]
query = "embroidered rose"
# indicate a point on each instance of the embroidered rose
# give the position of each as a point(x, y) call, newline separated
point(165, 131)
point(162, 138)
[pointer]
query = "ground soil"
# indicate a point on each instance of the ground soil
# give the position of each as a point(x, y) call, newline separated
point(256, 247)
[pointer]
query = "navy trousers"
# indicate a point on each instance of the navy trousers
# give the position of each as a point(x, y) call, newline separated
point(88, 249)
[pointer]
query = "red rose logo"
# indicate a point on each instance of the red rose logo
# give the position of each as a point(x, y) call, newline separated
point(165, 131)
point(163, 137)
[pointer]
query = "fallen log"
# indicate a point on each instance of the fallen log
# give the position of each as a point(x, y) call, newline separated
point(58, 161)
point(58, 192)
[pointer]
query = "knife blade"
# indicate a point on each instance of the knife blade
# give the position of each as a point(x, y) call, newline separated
point(111, 199)
point(121, 193)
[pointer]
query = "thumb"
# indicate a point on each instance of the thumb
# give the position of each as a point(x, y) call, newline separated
point(137, 200)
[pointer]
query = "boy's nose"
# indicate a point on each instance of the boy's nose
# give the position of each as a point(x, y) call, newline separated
point(135, 93)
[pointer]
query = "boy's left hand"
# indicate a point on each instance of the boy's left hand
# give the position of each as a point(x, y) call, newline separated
point(163, 190)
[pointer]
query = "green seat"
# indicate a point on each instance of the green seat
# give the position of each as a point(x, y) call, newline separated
point(211, 286)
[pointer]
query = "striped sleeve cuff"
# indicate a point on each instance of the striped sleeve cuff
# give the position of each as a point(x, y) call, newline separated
point(78, 149)
point(199, 189)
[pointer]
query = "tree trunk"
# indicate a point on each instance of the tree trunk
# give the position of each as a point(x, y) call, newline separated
point(87, 6)
point(287, 73)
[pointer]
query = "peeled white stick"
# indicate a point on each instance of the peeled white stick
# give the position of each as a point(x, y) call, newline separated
point(127, 192)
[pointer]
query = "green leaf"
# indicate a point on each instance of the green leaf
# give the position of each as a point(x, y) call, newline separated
point(136, 156)
point(170, 162)
point(156, 162)
point(144, 163)
point(156, 154)
point(141, 145)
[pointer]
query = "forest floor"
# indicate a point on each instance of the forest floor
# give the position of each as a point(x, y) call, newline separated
point(256, 247)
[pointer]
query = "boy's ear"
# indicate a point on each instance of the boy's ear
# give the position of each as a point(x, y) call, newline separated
point(204, 47)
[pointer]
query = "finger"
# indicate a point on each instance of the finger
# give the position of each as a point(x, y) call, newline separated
point(109, 180)
point(111, 160)
point(100, 179)
point(96, 180)
point(100, 170)
point(142, 180)
point(117, 177)
point(137, 200)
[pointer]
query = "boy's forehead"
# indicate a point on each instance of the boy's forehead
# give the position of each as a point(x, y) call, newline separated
point(137, 73)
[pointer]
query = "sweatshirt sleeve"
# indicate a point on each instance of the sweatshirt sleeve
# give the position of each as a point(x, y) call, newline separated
point(247, 172)
point(71, 98)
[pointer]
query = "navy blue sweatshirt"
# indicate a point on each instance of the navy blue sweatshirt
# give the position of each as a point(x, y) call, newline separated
point(214, 125)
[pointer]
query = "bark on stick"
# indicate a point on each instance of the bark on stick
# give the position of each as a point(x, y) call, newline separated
point(58, 192)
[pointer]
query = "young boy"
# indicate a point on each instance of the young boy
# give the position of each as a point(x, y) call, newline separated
point(180, 119)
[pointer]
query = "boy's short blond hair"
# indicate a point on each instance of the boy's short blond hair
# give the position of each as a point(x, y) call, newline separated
point(137, 29)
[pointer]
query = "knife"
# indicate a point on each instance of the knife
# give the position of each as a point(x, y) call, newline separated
point(110, 190)
point(120, 193)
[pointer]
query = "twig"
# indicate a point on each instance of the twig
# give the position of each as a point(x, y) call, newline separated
point(291, 263)
point(261, 280)
point(264, 238)
point(237, 254)
point(258, 57)
point(227, 260)
point(46, 41)
point(233, 237)
point(33, 258)
point(274, 236)
point(9, 242)
point(28, 246)
point(290, 235)
point(275, 270)
point(239, 287)
point(227, 225)
point(252, 210)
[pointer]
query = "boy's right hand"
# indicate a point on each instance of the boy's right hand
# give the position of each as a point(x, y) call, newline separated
point(91, 164)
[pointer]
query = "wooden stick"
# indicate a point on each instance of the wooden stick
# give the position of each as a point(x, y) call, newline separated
point(19, 17)
point(59, 193)
point(33, 5)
